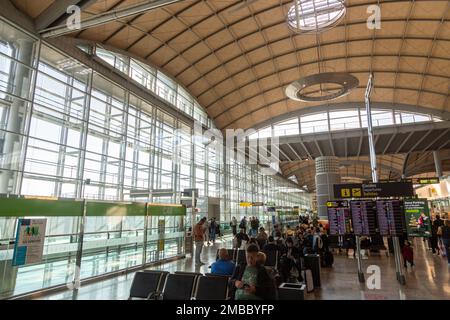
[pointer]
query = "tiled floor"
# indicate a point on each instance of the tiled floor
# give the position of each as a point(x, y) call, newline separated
point(429, 279)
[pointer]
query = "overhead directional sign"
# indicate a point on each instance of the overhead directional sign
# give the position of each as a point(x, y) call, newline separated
point(371, 190)
point(245, 204)
point(425, 180)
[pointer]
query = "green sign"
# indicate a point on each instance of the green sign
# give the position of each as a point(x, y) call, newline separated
point(417, 215)
point(112, 209)
point(166, 210)
point(40, 207)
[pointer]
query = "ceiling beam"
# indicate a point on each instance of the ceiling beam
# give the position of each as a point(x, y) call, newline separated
point(404, 142)
point(107, 17)
point(57, 10)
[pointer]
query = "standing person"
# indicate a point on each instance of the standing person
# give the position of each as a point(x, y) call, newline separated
point(261, 237)
point(212, 230)
point(408, 254)
point(243, 224)
point(317, 241)
point(434, 236)
point(254, 227)
point(199, 238)
point(206, 231)
point(241, 236)
point(444, 232)
point(437, 223)
point(233, 225)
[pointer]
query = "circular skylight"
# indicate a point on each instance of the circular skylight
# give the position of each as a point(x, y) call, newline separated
point(315, 15)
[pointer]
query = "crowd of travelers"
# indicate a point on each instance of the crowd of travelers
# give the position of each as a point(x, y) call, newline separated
point(252, 280)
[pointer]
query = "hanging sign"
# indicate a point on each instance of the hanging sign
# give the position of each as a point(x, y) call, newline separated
point(372, 190)
point(29, 245)
point(417, 218)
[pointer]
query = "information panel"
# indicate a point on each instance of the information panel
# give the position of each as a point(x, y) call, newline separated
point(363, 217)
point(390, 217)
point(338, 217)
point(30, 237)
point(417, 218)
point(372, 190)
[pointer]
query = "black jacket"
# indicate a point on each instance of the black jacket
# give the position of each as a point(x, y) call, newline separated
point(265, 287)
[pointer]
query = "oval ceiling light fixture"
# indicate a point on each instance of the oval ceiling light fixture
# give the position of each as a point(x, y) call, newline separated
point(315, 15)
point(332, 85)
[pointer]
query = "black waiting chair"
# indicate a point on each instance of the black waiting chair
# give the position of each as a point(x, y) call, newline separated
point(146, 284)
point(189, 273)
point(179, 286)
point(211, 287)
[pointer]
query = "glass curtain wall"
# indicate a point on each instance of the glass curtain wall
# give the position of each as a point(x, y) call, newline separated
point(62, 125)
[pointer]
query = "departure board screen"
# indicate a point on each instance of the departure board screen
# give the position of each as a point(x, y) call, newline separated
point(363, 217)
point(390, 217)
point(338, 217)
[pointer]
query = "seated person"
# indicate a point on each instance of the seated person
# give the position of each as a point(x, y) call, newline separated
point(253, 282)
point(253, 241)
point(223, 266)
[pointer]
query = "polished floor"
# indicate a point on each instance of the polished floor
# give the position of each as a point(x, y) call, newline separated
point(429, 279)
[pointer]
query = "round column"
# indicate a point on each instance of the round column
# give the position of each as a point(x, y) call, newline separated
point(327, 174)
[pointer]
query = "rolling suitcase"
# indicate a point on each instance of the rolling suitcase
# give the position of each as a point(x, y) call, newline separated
point(308, 279)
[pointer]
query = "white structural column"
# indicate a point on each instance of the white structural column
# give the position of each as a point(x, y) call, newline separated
point(437, 163)
point(327, 174)
point(20, 78)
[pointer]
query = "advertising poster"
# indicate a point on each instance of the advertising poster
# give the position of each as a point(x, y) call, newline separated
point(30, 237)
point(417, 218)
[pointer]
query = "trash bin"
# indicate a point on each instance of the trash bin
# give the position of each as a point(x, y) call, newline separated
point(291, 291)
point(312, 262)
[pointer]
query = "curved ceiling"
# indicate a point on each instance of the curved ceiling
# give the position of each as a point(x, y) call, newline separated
point(237, 63)
point(357, 169)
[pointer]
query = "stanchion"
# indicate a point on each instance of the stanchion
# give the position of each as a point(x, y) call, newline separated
point(398, 261)
point(359, 260)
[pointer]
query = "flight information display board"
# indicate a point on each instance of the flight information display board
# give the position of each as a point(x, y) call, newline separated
point(338, 217)
point(364, 217)
point(390, 217)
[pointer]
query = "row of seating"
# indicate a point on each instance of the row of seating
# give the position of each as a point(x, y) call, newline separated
point(238, 256)
point(162, 285)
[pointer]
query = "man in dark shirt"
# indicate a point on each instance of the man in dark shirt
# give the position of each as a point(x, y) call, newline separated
point(271, 245)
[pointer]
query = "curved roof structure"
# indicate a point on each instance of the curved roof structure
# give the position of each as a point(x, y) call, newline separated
point(238, 59)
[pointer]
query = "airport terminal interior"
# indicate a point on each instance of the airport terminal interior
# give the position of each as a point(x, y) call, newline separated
point(225, 149)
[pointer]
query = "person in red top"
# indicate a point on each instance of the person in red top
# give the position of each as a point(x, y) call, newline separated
point(199, 240)
point(408, 254)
